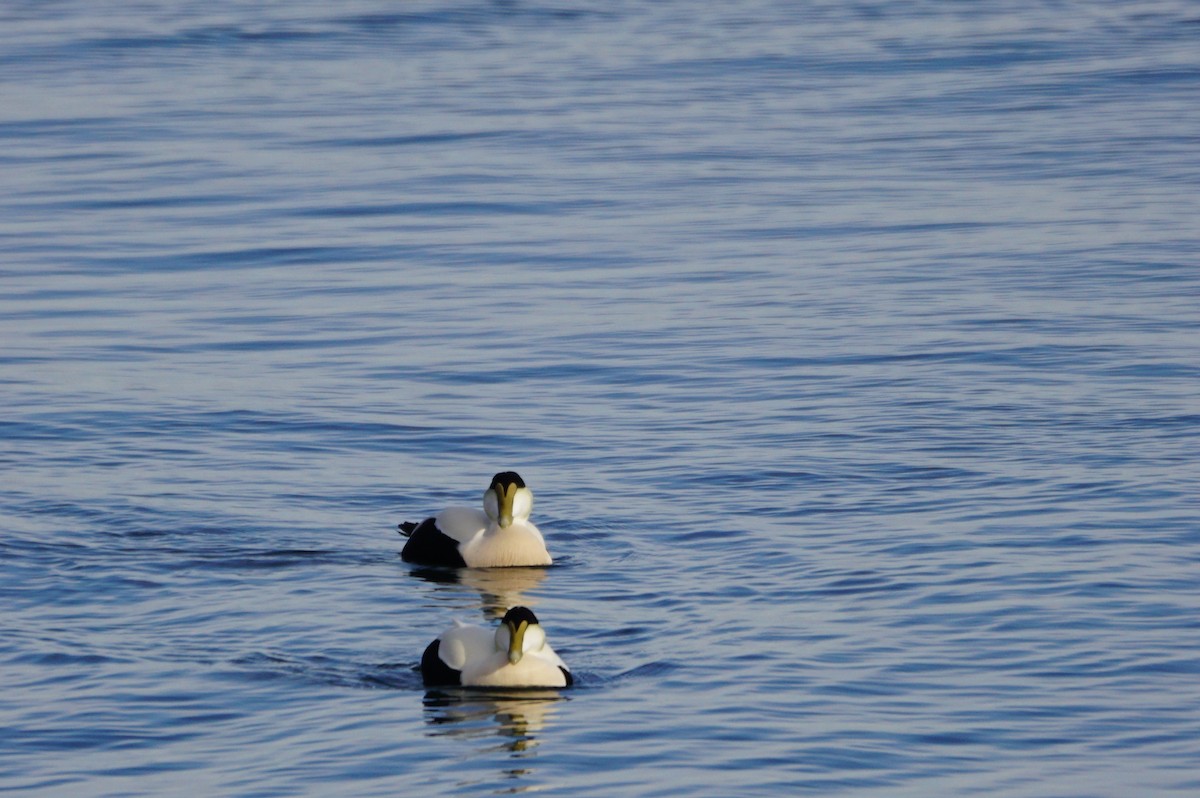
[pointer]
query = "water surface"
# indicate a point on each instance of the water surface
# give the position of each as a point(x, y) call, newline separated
point(850, 351)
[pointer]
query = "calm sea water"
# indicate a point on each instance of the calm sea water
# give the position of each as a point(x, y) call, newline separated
point(851, 350)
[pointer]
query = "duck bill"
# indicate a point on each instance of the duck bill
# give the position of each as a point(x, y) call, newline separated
point(506, 498)
point(516, 641)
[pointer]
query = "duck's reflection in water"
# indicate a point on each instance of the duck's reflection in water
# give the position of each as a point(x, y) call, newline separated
point(518, 717)
point(498, 588)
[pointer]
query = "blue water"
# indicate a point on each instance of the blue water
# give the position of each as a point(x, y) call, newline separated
point(852, 352)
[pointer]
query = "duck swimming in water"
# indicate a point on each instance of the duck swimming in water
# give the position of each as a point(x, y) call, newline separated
point(516, 654)
point(499, 535)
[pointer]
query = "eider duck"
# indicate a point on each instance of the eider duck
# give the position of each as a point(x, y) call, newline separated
point(515, 655)
point(499, 535)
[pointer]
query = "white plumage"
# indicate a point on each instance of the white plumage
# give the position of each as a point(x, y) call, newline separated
point(515, 654)
point(497, 536)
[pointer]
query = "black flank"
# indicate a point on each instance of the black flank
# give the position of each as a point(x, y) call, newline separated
point(435, 672)
point(428, 546)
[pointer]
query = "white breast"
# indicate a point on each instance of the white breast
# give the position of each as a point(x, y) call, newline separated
point(519, 544)
point(538, 670)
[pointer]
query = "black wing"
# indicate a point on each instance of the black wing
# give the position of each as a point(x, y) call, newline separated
point(428, 546)
point(435, 672)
